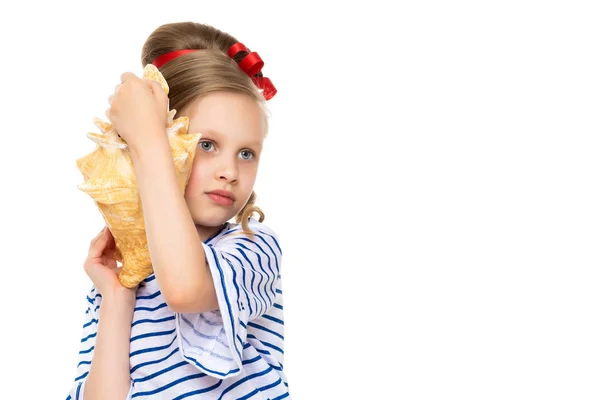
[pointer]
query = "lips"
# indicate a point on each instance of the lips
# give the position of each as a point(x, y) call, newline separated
point(221, 197)
point(223, 193)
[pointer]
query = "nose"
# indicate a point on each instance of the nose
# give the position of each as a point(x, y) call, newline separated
point(228, 171)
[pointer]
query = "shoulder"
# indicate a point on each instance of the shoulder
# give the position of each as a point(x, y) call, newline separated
point(262, 232)
point(264, 241)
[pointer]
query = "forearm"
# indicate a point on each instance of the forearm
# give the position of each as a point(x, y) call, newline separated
point(175, 247)
point(109, 376)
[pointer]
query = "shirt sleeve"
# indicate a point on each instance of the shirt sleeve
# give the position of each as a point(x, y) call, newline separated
point(86, 346)
point(245, 273)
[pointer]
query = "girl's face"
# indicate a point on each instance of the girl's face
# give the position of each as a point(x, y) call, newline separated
point(227, 156)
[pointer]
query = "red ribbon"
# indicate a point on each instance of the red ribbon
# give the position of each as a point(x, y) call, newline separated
point(266, 85)
point(165, 58)
point(251, 64)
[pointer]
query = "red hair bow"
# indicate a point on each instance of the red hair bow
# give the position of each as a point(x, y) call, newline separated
point(251, 64)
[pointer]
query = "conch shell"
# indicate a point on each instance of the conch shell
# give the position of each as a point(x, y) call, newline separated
point(109, 179)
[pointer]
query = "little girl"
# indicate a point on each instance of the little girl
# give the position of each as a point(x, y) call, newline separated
point(208, 323)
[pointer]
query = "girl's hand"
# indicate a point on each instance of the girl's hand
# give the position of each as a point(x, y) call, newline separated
point(138, 109)
point(101, 266)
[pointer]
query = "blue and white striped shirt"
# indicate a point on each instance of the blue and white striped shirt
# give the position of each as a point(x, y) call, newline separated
point(233, 353)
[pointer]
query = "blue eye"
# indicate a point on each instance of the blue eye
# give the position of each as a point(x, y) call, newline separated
point(209, 146)
point(204, 147)
point(247, 154)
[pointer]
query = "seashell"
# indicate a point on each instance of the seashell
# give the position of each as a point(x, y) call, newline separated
point(109, 179)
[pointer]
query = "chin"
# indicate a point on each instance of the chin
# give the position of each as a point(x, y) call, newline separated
point(210, 221)
point(212, 218)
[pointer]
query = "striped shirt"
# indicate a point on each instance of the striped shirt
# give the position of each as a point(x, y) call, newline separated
point(233, 353)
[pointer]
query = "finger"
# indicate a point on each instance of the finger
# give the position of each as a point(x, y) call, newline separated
point(103, 236)
point(111, 254)
point(111, 244)
point(99, 235)
point(97, 246)
point(115, 92)
point(110, 263)
point(118, 255)
point(125, 76)
point(155, 86)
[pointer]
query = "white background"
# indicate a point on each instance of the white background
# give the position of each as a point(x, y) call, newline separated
point(432, 172)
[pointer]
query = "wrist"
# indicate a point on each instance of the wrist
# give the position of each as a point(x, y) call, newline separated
point(150, 140)
point(121, 297)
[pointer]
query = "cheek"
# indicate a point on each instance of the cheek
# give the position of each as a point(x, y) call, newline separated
point(246, 177)
point(194, 185)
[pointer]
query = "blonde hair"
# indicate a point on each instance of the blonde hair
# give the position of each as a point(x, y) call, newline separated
point(200, 72)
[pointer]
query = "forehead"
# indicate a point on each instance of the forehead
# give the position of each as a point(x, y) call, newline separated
point(227, 115)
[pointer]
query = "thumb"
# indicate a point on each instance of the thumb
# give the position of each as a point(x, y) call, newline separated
point(98, 245)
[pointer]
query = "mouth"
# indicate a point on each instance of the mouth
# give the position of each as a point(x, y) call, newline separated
point(221, 197)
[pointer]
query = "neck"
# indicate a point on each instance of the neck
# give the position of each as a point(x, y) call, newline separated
point(205, 232)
